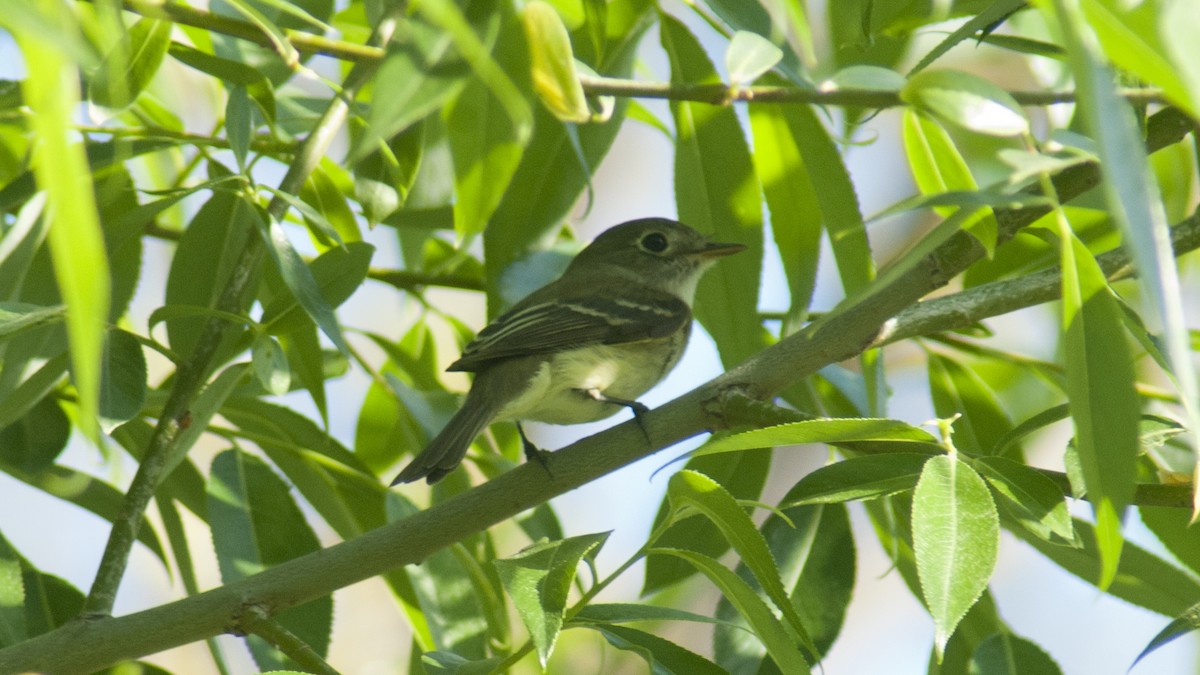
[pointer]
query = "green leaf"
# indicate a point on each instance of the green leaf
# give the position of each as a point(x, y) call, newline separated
point(1134, 201)
point(1034, 500)
point(832, 431)
point(233, 73)
point(1174, 528)
point(201, 267)
point(748, 56)
point(625, 612)
point(816, 558)
point(76, 239)
point(969, 101)
point(122, 381)
point(257, 525)
point(300, 280)
point(957, 389)
point(12, 596)
point(270, 365)
point(1008, 654)
point(867, 477)
point(553, 63)
point(538, 580)
point(1142, 578)
point(486, 150)
point(743, 475)
point(938, 168)
point(50, 602)
point(663, 656)
point(335, 274)
point(1181, 625)
point(207, 404)
point(1175, 20)
point(779, 641)
point(128, 67)
point(956, 534)
point(717, 193)
point(239, 124)
point(1101, 395)
point(789, 188)
point(324, 195)
point(690, 490)
point(24, 397)
point(36, 440)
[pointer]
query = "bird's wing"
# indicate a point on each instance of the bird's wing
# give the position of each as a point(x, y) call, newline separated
point(545, 327)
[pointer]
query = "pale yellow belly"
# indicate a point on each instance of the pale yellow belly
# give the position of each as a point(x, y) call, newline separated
point(556, 393)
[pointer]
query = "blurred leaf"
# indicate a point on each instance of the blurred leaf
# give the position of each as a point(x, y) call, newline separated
point(1182, 79)
point(779, 641)
point(233, 73)
point(980, 24)
point(35, 441)
point(1101, 395)
point(128, 67)
point(486, 149)
point(626, 612)
point(33, 389)
point(270, 365)
point(553, 63)
point(748, 56)
point(938, 168)
point(122, 381)
point(717, 193)
point(239, 124)
point(791, 196)
point(325, 197)
point(870, 78)
point(538, 580)
point(256, 525)
point(12, 596)
point(662, 656)
point(969, 101)
point(203, 262)
point(956, 534)
point(335, 275)
point(1175, 530)
point(76, 239)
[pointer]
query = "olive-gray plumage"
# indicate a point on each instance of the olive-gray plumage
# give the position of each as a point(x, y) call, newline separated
point(612, 326)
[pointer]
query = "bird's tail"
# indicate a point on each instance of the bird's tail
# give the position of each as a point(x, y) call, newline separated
point(447, 449)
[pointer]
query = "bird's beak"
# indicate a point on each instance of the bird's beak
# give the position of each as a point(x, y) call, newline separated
point(714, 249)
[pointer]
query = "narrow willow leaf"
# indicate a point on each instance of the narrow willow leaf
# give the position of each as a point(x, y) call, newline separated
point(966, 100)
point(779, 641)
point(867, 477)
point(791, 197)
point(25, 396)
point(336, 274)
point(122, 381)
point(1008, 654)
point(1175, 20)
point(12, 596)
point(1181, 625)
point(663, 656)
point(553, 63)
point(128, 67)
point(538, 580)
point(233, 73)
point(938, 167)
point(834, 430)
point(627, 612)
point(206, 405)
point(956, 536)
point(957, 389)
point(76, 241)
point(717, 192)
point(256, 525)
point(270, 365)
point(1134, 199)
point(748, 56)
point(1101, 395)
point(486, 149)
point(688, 489)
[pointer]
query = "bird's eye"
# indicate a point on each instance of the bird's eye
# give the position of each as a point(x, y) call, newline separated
point(655, 242)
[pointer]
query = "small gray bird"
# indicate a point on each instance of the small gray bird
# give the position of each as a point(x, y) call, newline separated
point(584, 345)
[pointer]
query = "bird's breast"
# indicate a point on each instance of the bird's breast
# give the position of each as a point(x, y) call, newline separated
point(556, 392)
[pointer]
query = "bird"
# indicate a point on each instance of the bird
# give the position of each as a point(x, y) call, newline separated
point(583, 346)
